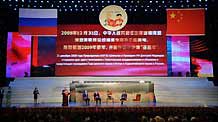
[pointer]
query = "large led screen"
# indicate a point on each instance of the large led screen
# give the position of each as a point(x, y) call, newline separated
point(18, 55)
point(201, 63)
point(179, 55)
point(43, 56)
point(90, 50)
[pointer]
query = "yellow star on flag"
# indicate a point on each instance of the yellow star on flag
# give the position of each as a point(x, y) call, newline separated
point(172, 15)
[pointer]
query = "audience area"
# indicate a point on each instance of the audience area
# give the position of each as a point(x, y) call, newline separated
point(110, 114)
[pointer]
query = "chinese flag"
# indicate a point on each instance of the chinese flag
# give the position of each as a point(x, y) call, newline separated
point(185, 22)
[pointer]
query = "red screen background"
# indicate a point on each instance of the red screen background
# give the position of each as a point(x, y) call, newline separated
point(142, 42)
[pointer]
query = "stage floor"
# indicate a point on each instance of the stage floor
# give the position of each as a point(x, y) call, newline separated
point(72, 104)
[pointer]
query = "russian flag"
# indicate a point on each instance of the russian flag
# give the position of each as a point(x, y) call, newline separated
point(41, 22)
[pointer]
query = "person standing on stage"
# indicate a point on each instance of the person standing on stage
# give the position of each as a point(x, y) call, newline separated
point(1, 96)
point(97, 97)
point(35, 94)
point(86, 97)
point(123, 97)
point(8, 97)
point(65, 95)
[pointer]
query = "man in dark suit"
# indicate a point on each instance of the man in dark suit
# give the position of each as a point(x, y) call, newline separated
point(97, 97)
point(123, 97)
point(86, 97)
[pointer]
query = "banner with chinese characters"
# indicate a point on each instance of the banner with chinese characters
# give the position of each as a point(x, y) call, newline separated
point(90, 50)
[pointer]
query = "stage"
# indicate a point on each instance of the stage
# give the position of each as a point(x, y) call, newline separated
point(169, 91)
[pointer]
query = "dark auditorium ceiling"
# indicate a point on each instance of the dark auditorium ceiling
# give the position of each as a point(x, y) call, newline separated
point(148, 6)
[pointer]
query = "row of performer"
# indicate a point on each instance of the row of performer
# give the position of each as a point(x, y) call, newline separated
point(96, 96)
point(85, 96)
